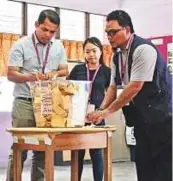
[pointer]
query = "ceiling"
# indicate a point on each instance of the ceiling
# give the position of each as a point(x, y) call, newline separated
point(91, 6)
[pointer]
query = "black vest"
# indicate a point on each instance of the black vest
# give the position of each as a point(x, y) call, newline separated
point(154, 101)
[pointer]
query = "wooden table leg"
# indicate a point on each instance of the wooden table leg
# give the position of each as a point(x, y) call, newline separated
point(74, 165)
point(17, 157)
point(49, 164)
point(108, 158)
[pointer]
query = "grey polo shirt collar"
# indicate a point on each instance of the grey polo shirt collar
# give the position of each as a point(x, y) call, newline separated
point(37, 41)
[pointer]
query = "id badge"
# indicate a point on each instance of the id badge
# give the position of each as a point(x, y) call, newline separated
point(90, 108)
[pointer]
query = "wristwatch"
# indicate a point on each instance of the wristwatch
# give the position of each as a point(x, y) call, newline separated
point(99, 109)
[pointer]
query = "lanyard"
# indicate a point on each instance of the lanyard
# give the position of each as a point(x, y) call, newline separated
point(94, 76)
point(123, 64)
point(38, 57)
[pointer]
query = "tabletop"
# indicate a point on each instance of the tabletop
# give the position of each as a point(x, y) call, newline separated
point(85, 129)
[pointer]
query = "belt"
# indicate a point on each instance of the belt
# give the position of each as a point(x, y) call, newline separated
point(25, 98)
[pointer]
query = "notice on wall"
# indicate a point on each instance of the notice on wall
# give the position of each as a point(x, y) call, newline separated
point(170, 57)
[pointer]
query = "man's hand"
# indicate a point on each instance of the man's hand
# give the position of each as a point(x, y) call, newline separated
point(97, 116)
point(61, 72)
point(51, 75)
point(15, 75)
point(36, 76)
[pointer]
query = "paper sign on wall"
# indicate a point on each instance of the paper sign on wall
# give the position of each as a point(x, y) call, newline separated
point(170, 57)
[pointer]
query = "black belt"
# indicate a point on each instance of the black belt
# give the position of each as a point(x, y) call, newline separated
point(25, 98)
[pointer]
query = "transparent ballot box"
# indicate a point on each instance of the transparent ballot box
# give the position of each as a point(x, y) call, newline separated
point(60, 103)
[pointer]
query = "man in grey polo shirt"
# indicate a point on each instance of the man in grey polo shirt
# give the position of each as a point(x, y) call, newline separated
point(35, 57)
point(140, 68)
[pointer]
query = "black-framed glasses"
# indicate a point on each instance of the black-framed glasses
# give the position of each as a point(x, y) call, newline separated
point(113, 32)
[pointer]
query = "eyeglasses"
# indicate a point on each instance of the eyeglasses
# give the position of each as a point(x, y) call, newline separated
point(113, 32)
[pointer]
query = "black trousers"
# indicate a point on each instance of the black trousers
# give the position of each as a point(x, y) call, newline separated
point(96, 158)
point(154, 151)
point(97, 163)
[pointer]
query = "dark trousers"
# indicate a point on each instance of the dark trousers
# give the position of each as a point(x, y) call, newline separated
point(96, 158)
point(154, 151)
point(23, 116)
point(97, 163)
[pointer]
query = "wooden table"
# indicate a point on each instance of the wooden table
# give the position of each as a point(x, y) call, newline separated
point(56, 139)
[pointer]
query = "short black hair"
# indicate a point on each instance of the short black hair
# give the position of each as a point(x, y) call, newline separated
point(51, 15)
point(122, 17)
point(95, 41)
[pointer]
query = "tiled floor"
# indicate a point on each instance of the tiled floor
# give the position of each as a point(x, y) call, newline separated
point(122, 171)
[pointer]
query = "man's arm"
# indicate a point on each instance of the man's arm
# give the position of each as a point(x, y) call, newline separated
point(63, 70)
point(15, 75)
point(110, 96)
point(129, 92)
point(111, 92)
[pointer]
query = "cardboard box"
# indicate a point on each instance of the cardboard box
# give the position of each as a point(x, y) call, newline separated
point(60, 103)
